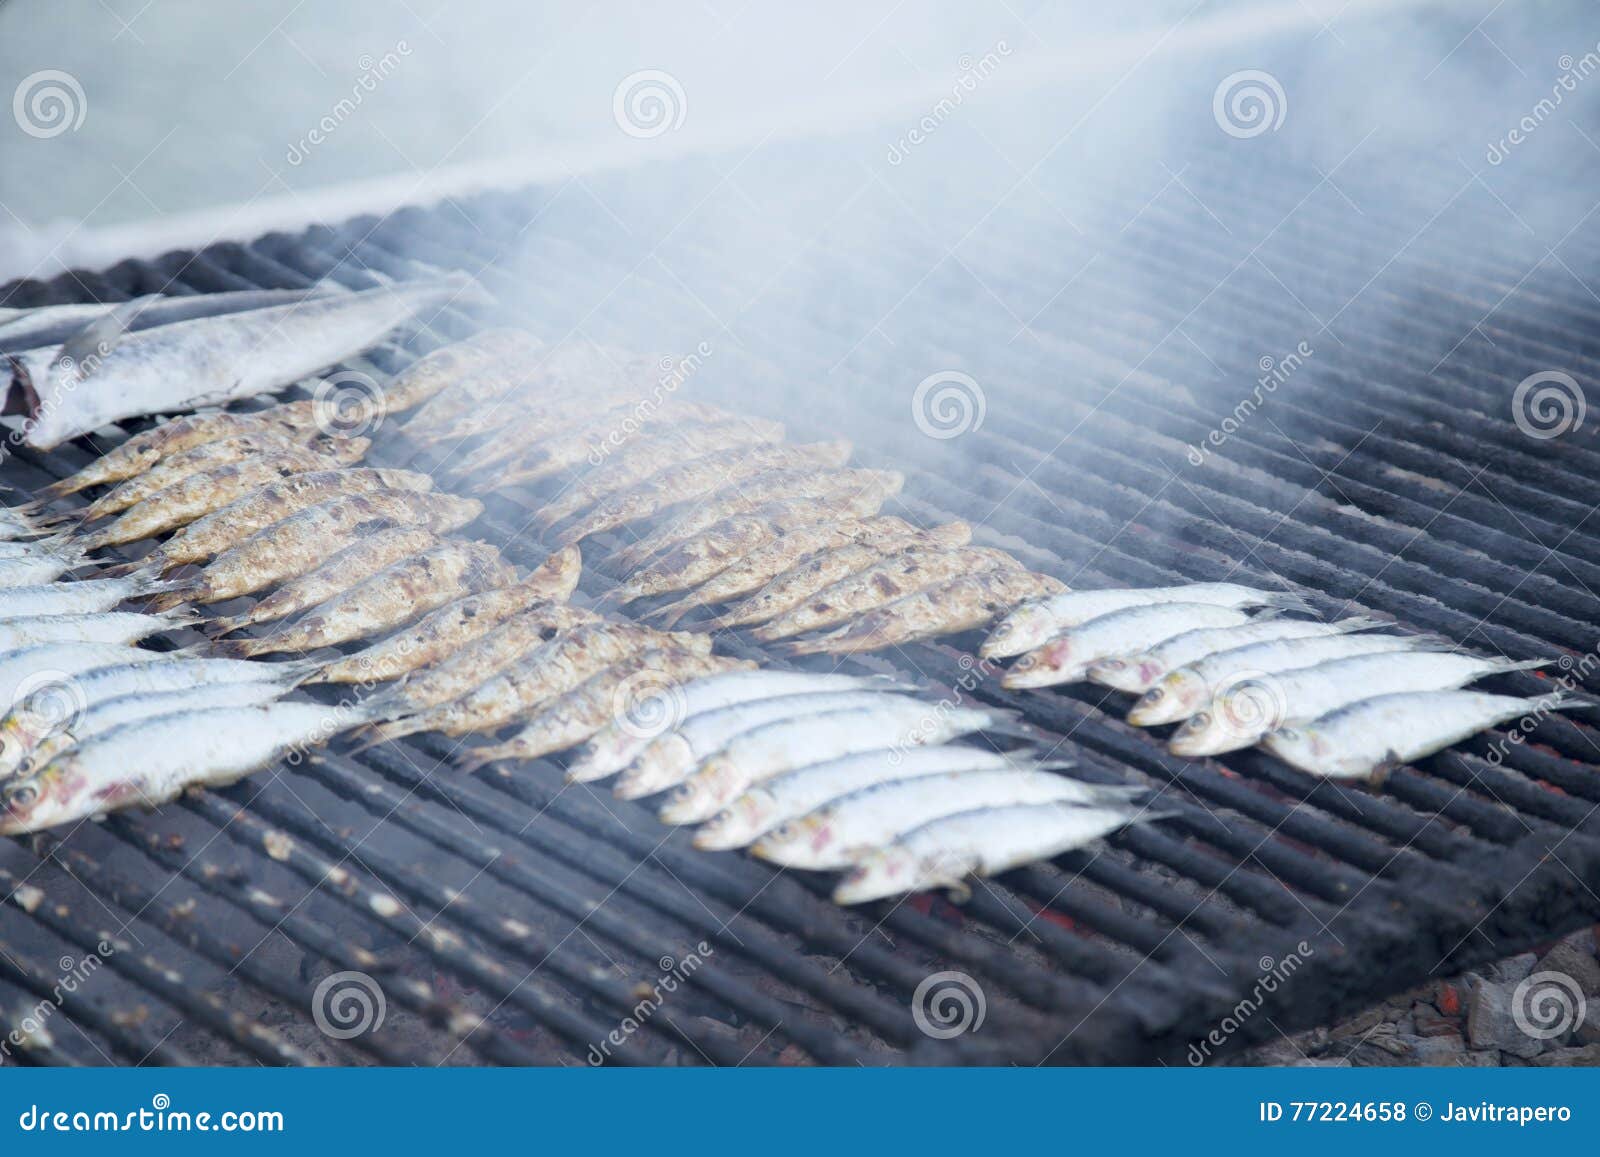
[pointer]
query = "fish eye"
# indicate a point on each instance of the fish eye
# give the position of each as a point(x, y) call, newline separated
point(1290, 734)
point(1113, 664)
point(1154, 695)
point(22, 794)
point(1199, 719)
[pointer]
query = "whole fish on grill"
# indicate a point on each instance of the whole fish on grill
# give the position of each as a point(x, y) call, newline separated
point(456, 368)
point(530, 682)
point(391, 598)
point(17, 525)
point(1368, 738)
point(793, 794)
point(492, 396)
point(508, 433)
point(1036, 622)
point(879, 538)
point(1245, 711)
point(640, 458)
point(296, 421)
point(84, 597)
point(218, 531)
point(895, 577)
point(26, 329)
point(947, 852)
point(947, 608)
point(210, 490)
point(38, 569)
point(1138, 672)
point(53, 665)
point(853, 493)
point(486, 365)
point(784, 745)
point(304, 540)
point(1068, 657)
point(653, 756)
point(707, 733)
point(149, 763)
point(835, 835)
point(104, 373)
point(723, 543)
point(702, 476)
point(446, 633)
point(362, 559)
point(1183, 692)
point(123, 627)
point(600, 699)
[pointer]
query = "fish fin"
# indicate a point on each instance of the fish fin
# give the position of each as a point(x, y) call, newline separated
point(180, 617)
point(84, 349)
point(22, 397)
point(216, 628)
point(1505, 666)
point(1288, 601)
point(670, 613)
point(1432, 643)
point(481, 757)
point(169, 597)
point(1361, 623)
point(1004, 721)
point(201, 650)
point(1570, 701)
point(387, 731)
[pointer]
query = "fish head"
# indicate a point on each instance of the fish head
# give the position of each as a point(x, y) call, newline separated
point(1132, 674)
point(1208, 732)
point(1175, 697)
point(703, 794)
point(666, 761)
point(1023, 629)
point(58, 793)
point(896, 869)
point(1042, 666)
point(1302, 747)
point(807, 842)
point(737, 824)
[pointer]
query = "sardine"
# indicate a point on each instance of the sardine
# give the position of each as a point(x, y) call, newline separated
point(1068, 657)
point(703, 476)
point(152, 762)
point(837, 834)
point(1366, 739)
point(795, 793)
point(945, 853)
point(454, 367)
point(602, 698)
point(947, 608)
point(84, 597)
point(1137, 673)
point(1035, 623)
point(217, 531)
point(360, 560)
point(625, 744)
point(50, 325)
point(806, 577)
point(210, 490)
point(787, 744)
point(1183, 692)
point(38, 569)
point(706, 734)
point(506, 434)
point(446, 632)
point(1244, 711)
point(104, 374)
point(53, 666)
point(486, 702)
point(391, 598)
point(122, 627)
point(895, 577)
point(637, 460)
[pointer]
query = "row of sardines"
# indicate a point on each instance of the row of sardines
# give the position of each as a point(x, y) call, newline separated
point(1346, 699)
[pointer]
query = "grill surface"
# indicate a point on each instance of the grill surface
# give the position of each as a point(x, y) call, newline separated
point(1110, 331)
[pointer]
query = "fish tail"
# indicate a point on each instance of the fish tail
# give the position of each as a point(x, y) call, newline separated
point(1288, 601)
point(241, 648)
point(1505, 666)
point(170, 594)
point(387, 731)
point(124, 569)
point(180, 617)
point(671, 614)
point(225, 625)
point(1432, 643)
point(1004, 721)
point(481, 757)
point(1569, 701)
point(1360, 623)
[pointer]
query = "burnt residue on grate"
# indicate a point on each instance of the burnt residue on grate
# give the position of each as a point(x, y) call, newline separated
point(507, 918)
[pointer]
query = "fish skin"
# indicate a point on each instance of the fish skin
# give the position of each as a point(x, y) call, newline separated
point(547, 670)
point(152, 762)
point(50, 325)
point(207, 455)
point(583, 711)
point(56, 665)
point(1181, 693)
point(210, 490)
point(782, 746)
point(885, 581)
point(360, 560)
point(1037, 621)
point(818, 571)
point(702, 476)
point(443, 633)
point(639, 460)
point(984, 842)
point(854, 493)
point(1365, 739)
point(297, 544)
point(506, 434)
point(1138, 672)
point(489, 363)
point(37, 570)
point(1068, 657)
point(1244, 712)
point(208, 361)
point(83, 597)
point(399, 593)
point(948, 608)
point(232, 524)
point(123, 627)
point(143, 451)
point(722, 544)
point(793, 794)
point(837, 833)
point(453, 366)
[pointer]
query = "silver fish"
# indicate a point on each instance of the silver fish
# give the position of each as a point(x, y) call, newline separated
point(1068, 657)
point(56, 665)
point(86, 596)
point(38, 569)
point(50, 325)
point(1367, 738)
point(122, 627)
point(1138, 672)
